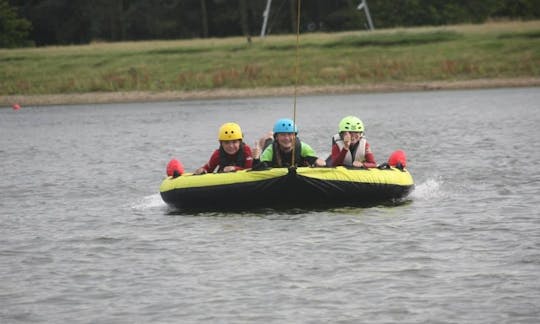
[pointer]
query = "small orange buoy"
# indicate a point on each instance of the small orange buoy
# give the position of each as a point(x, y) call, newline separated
point(16, 106)
point(398, 158)
point(175, 168)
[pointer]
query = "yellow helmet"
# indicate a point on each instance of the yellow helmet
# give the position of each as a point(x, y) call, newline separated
point(229, 132)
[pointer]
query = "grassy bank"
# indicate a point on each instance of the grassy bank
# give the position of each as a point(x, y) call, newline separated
point(506, 50)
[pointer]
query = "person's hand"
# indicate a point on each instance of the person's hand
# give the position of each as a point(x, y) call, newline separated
point(229, 168)
point(200, 171)
point(256, 151)
point(267, 136)
point(357, 164)
point(346, 140)
point(320, 162)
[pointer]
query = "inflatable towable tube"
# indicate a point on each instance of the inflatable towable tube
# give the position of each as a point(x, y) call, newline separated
point(287, 187)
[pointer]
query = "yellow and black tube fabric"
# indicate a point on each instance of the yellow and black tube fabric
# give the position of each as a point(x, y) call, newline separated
point(286, 187)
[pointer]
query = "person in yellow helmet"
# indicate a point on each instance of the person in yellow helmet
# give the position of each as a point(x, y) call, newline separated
point(232, 155)
point(350, 147)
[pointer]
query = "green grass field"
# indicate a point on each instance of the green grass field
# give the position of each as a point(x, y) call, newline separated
point(463, 52)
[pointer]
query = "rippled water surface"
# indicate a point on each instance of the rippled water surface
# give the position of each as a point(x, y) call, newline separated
point(85, 237)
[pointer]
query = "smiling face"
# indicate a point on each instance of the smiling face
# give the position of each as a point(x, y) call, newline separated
point(285, 141)
point(231, 147)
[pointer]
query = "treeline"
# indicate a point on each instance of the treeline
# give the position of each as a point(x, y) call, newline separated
point(59, 22)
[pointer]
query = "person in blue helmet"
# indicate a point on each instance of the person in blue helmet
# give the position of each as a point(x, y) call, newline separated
point(279, 153)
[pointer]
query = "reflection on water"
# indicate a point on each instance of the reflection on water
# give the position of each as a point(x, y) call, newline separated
point(86, 237)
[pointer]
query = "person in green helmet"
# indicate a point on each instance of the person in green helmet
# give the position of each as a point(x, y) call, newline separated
point(279, 152)
point(350, 147)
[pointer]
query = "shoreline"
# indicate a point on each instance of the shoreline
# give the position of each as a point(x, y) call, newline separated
point(215, 94)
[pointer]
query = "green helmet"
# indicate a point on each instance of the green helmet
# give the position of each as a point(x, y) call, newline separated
point(351, 124)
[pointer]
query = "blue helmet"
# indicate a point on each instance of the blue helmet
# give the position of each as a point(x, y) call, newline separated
point(285, 125)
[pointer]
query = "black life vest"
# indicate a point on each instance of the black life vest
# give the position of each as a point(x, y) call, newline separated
point(281, 159)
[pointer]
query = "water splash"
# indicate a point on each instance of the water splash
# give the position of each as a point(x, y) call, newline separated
point(149, 202)
point(430, 189)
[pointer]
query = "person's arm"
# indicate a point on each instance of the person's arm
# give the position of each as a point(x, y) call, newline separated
point(370, 158)
point(267, 154)
point(265, 160)
point(308, 154)
point(258, 165)
point(210, 165)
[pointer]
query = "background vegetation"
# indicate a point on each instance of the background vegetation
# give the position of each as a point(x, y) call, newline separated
point(462, 52)
point(60, 22)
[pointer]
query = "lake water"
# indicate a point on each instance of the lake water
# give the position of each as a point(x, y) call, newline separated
point(86, 238)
